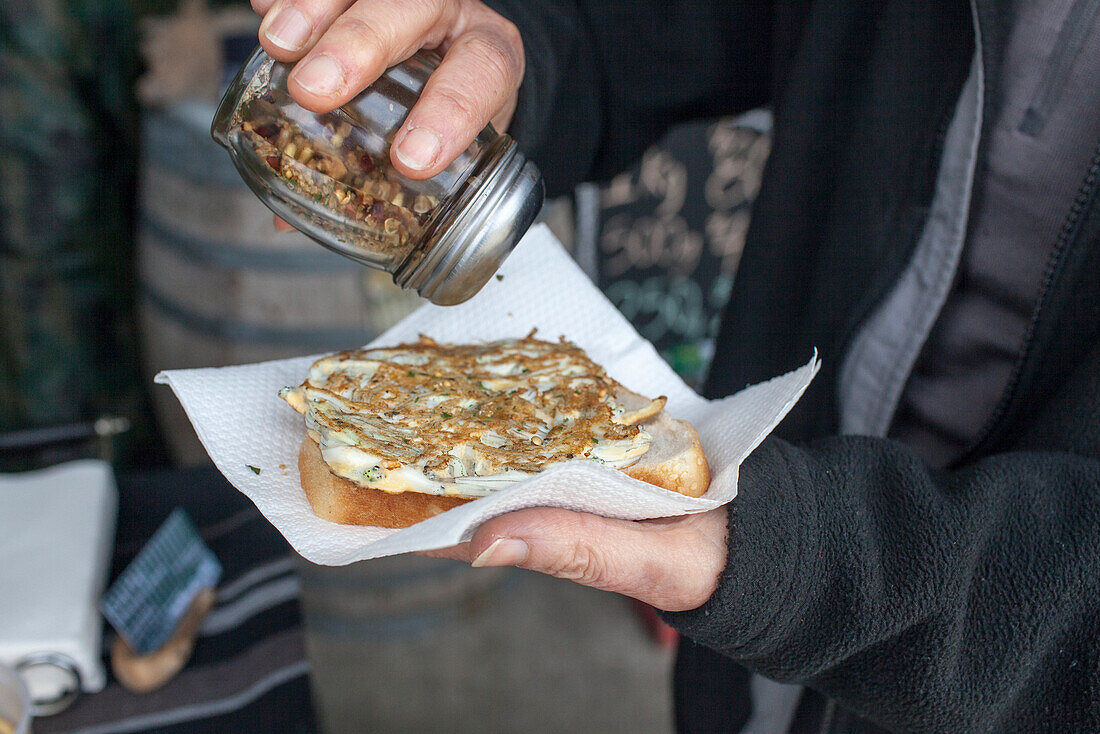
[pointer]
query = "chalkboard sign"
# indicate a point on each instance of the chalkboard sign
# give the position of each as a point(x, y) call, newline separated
point(671, 232)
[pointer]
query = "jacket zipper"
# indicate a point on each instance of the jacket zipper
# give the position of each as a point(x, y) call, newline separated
point(1066, 237)
point(1071, 39)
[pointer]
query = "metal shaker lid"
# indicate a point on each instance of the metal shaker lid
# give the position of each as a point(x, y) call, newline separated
point(479, 230)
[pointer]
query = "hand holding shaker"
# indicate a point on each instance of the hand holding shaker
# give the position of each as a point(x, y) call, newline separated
point(329, 175)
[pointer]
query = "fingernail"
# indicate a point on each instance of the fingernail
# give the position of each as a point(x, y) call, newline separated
point(290, 29)
point(418, 150)
point(503, 552)
point(322, 75)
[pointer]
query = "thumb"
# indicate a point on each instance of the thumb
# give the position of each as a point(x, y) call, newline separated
point(670, 565)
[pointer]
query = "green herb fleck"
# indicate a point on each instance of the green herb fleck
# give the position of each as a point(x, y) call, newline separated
point(445, 414)
point(500, 277)
point(412, 374)
point(255, 469)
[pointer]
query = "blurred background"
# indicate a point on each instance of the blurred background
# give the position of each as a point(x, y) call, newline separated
point(128, 244)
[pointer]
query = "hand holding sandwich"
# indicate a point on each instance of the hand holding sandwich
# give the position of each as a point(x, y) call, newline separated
point(672, 563)
point(396, 435)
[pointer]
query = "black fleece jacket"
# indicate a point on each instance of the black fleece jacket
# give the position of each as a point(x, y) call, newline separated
point(919, 600)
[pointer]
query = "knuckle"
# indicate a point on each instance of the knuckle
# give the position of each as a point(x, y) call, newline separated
point(361, 46)
point(316, 8)
point(366, 35)
point(435, 9)
point(513, 41)
point(581, 564)
point(460, 106)
point(494, 58)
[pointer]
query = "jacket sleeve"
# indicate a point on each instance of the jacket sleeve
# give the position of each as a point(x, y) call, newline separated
point(966, 600)
point(605, 80)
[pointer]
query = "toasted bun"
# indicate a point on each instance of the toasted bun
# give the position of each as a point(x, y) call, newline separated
point(675, 461)
point(340, 500)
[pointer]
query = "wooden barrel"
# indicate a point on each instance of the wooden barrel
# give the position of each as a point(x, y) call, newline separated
point(392, 599)
point(219, 285)
point(412, 644)
point(378, 635)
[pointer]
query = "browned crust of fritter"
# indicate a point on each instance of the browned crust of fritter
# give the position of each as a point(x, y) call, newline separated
point(340, 500)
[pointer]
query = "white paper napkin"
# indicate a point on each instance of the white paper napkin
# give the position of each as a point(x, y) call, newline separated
point(243, 424)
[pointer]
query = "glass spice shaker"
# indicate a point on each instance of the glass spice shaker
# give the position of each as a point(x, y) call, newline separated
point(329, 175)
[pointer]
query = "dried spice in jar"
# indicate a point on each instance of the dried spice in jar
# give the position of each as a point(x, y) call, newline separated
point(342, 177)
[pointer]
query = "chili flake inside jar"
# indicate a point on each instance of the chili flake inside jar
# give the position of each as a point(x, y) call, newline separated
point(341, 176)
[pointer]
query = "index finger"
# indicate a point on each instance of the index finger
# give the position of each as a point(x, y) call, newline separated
point(348, 45)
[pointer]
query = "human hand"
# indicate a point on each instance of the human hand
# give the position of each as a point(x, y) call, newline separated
point(342, 47)
point(670, 563)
